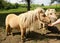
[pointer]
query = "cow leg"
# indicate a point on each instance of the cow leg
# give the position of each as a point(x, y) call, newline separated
point(8, 30)
point(43, 26)
point(23, 31)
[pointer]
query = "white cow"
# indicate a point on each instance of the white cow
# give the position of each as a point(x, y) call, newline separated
point(25, 20)
point(51, 13)
point(29, 18)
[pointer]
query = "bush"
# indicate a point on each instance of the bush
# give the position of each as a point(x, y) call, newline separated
point(16, 5)
point(10, 6)
point(42, 4)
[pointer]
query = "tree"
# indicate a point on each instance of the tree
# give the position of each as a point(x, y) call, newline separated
point(16, 5)
point(42, 4)
point(52, 1)
point(28, 4)
point(28, 7)
point(3, 4)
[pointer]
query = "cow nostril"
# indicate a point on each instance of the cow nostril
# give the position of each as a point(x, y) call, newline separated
point(55, 13)
point(50, 21)
point(50, 13)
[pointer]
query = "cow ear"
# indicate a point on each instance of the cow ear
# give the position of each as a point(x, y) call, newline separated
point(41, 11)
point(44, 15)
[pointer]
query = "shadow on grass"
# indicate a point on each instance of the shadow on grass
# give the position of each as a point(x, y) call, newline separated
point(52, 37)
point(37, 36)
point(32, 36)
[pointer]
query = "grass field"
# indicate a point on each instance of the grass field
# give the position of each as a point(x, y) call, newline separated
point(23, 8)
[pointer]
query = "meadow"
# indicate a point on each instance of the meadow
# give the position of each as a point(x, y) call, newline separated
point(23, 8)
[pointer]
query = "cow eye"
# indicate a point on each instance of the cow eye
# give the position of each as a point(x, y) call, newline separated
point(44, 15)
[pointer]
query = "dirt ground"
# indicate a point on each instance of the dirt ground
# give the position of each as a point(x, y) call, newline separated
point(53, 36)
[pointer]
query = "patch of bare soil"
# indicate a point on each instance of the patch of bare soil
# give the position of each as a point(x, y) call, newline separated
point(34, 37)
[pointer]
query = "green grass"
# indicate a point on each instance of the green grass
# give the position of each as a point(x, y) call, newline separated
point(57, 7)
point(23, 8)
point(14, 10)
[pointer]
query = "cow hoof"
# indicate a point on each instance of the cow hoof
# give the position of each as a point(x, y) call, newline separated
point(22, 41)
point(7, 35)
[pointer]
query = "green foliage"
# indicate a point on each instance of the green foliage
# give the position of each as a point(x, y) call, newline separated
point(42, 4)
point(16, 5)
point(18, 10)
point(2, 4)
point(33, 6)
point(52, 1)
point(11, 6)
point(57, 7)
point(23, 8)
point(6, 5)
